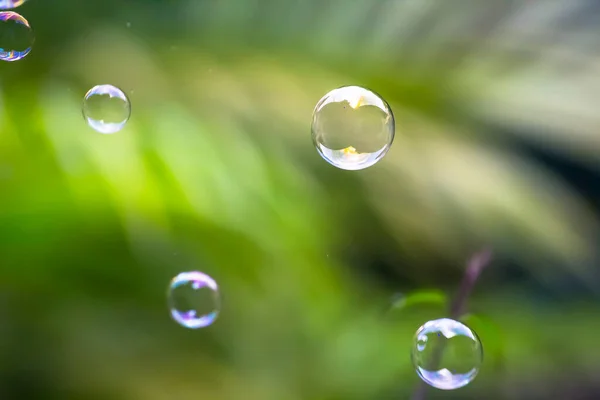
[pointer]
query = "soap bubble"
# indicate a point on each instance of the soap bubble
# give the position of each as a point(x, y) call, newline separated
point(194, 299)
point(352, 128)
point(16, 36)
point(446, 354)
point(9, 4)
point(106, 108)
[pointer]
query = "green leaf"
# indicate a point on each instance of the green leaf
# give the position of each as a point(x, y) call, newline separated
point(421, 297)
point(490, 335)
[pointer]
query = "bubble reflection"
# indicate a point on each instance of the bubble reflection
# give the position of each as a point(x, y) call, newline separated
point(10, 4)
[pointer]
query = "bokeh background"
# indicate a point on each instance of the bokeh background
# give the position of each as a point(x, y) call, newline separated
point(325, 274)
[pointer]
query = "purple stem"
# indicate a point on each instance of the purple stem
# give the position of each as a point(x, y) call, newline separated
point(476, 264)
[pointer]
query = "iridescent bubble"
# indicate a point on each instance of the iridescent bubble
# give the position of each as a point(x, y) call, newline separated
point(446, 354)
point(194, 300)
point(106, 108)
point(16, 36)
point(10, 4)
point(352, 127)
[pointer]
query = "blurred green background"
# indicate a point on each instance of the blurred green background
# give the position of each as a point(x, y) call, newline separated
point(496, 145)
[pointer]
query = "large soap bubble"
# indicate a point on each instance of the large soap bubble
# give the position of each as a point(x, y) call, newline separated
point(446, 354)
point(352, 127)
point(106, 108)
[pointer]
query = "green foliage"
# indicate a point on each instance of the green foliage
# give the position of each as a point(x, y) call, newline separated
point(421, 297)
point(215, 171)
point(492, 339)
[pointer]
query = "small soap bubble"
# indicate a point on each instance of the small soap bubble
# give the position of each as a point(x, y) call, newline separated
point(106, 109)
point(398, 300)
point(352, 128)
point(446, 354)
point(16, 36)
point(10, 4)
point(194, 299)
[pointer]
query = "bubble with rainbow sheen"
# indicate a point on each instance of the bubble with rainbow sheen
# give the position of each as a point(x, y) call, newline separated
point(193, 299)
point(16, 36)
point(10, 4)
point(106, 108)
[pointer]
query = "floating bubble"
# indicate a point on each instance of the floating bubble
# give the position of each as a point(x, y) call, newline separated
point(106, 108)
point(194, 300)
point(16, 36)
point(10, 4)
point(398, 300)
point(446, 354)
point(352, 128)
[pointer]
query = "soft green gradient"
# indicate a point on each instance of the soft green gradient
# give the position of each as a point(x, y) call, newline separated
point(215, 171)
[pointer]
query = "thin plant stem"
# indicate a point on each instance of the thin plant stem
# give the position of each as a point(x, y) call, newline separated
point(476, 264)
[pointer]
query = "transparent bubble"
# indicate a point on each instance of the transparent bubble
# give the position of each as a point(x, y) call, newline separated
point(10, 4)
point(398, 300)
point(194, 300)
point(106, 108)
point(446, 354)
point(16, 36)
point(352, 128)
